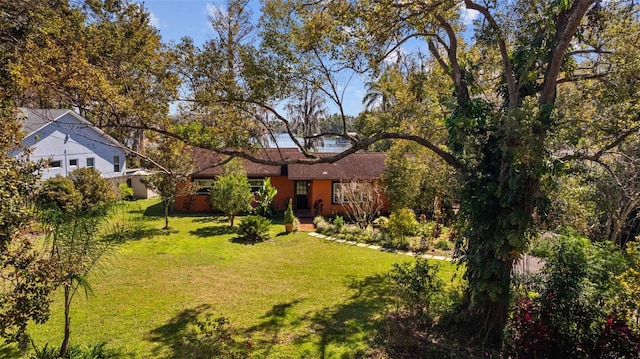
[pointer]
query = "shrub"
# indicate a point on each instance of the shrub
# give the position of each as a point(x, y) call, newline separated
point(338, 222)
point(444, 244)
point(381, 222)
point(289, 216)
point(419, 290)
point(254, 229)
point(324, 227)
point(572, 311)
point(125, 192)
point(402, 223)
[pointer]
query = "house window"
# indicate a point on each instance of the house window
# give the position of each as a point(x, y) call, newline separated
point(90, 162)
point(116, 163)
point(55, 164)
point(204, 186)
point(73, 162)
point(349, 192)
point(257, 184)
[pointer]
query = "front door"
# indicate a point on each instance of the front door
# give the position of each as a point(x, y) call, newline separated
point(302, 194)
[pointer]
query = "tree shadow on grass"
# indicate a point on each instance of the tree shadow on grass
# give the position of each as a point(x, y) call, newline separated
point(156, 210)
point(359, 319)
point(168, 334)
point(9, 350)
point(208, 218)
point(270, 331)
point(212, 231)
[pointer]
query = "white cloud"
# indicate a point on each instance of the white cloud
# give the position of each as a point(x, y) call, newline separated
point(213, 10)
point(154, 21)
point(468, 15)
point(394, 55)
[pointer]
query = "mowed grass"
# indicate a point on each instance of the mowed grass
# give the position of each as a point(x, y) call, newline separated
point(291, 297)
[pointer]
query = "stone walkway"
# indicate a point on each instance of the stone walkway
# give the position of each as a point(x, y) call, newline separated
point(370, 246)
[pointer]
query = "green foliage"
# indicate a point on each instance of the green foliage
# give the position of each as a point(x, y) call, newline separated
point(231, 194)
point(402, 223)
point(59, 196)
point(323, 226)
point(381, 222)
point(420, 290)
point(173, 158)
point(25, 274)
point(95, 351)
point(97, 194)
point(289, 216)
point(125, 192)
point(628, 295)
point(338, 222)
point(575, 311)
point(76, 238)
point(444, 244)
point(210, 337)
point(264, 199)
point(414, 176)
point(254, 229)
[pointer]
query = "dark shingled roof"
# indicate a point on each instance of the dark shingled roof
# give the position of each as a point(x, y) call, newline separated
point(363, 165)
point(205, 159)
point(34, 119)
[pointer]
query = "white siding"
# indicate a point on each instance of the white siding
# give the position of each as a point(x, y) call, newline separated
point(69, 139)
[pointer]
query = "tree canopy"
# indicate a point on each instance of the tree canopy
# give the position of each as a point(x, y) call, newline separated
point(509, 101)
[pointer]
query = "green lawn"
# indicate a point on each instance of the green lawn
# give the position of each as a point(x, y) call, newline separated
point(293, 296)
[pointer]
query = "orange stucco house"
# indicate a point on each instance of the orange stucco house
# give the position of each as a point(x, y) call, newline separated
point(313, 188)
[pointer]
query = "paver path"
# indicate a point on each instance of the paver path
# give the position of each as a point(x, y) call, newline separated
point(528, 264)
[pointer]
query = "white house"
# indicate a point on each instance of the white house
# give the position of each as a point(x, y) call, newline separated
point(68, 141)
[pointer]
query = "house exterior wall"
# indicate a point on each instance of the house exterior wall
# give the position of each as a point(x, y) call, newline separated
point(285, 189)
point(69, 139)
point(194, 203)
point(322, 190)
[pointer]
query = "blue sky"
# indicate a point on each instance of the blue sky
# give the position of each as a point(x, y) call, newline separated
point(178, 18)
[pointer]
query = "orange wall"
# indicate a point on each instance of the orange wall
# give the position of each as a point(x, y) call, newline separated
point(193, 203)
point(318, 190)
point(285, 189)
point(321, 189)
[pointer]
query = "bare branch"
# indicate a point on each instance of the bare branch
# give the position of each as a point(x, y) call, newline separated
point(504, 55)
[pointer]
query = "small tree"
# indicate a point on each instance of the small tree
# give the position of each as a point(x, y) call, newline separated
point(231, 194)
point(362, 201)
point(74, 221)
point(171, 180)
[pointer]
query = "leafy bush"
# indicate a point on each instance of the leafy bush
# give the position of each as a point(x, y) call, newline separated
point(402, 223)
point(419, 290)
point(444, 244)
point(254, 229)
point(338, 222)
point(323, 226)
point(125, 192)
point(210, 337)
point(381, 222)
point(572, 311)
